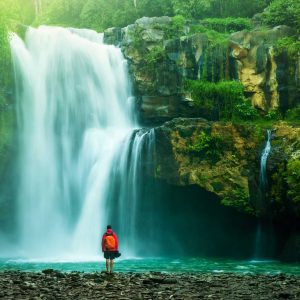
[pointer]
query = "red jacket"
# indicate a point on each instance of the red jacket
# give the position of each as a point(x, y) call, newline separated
point(109, 231)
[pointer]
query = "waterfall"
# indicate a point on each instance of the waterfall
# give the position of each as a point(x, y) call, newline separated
point(77, 140)
point(263, 163)
point(264, 228)
point(129, 177)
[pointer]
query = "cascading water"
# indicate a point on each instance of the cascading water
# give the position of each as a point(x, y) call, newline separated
point(263, 163)
point(260, 239)
point(76, 125)
point(129, 179)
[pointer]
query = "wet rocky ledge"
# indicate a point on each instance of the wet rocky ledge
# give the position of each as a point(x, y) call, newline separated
point(51, 284)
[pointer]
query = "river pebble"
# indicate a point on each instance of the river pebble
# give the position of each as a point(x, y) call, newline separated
point(52, 284)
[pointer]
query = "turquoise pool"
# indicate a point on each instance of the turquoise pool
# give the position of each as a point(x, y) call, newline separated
point(158, 264)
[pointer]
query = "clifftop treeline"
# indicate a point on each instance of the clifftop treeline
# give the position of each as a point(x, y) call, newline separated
point(233, 15)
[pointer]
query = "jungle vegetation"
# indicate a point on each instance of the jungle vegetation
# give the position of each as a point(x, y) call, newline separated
point(215, 17)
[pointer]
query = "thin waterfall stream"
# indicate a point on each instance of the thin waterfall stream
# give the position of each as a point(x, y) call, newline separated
point(76, 125)
point(260, 237)
point(263, 181)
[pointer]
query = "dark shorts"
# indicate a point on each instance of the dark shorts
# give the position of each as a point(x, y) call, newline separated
point(110, 254)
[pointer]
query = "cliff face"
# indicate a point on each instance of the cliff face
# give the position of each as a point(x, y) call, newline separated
point(284, 169)
point(261, 69)
point(161, 59)
point(218, 157)
point(224, 159)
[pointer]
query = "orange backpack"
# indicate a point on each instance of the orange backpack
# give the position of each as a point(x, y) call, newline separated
point(109, 242)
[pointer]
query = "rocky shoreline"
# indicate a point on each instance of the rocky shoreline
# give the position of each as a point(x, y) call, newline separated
point(51, 284)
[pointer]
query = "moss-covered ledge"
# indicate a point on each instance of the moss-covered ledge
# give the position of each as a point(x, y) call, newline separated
point(224, 158)
point(219, 157)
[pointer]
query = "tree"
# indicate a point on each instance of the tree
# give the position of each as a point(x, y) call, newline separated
point(283, 12)
point(9, 15)
point(12, 14)
point(193, 8)
point(60, 12)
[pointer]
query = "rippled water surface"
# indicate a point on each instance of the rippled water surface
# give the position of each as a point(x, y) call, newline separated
point(158, 264)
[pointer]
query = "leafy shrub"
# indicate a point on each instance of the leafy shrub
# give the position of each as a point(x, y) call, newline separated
point(287, 44)
point(198, 9)
point(239, 200)
point(273, 114)
point(222, 100)
point(12, 13)
point(293, 180)
point(176, 28)
point(283, 12)
point(293, 114)
point(244, 111)
point(214, 36)
point(226, 24)
point(206, 145)
point(178, 22)
point(155, 54)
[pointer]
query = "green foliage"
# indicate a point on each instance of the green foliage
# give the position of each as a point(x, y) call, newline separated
point(293, 114)
point(156, 54)
point(222, 100)
point(199, 9)
point(60, 12)
point(283, 12)
point(285, 187)
point(278, 185)
point(214, 36)
point(291, 45)
point(6, 16)
point(177, 26)
point(7, 120)
point(226, 24)
point(293, 180)
point(273, 114)
point(101, 14)
point(244, 111)
point(178, 21)
point(192, 8)
point(239, 199)
point(207, 146)
point(12, 14)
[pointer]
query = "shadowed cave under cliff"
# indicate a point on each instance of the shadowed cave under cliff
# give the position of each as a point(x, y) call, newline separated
point(189, 221)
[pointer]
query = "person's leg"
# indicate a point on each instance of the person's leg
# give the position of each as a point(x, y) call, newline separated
point(111, 265)
point(107, 265)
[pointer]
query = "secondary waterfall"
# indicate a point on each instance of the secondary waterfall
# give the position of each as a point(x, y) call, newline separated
point(263, 236)
point(76, 132)
point(263, 162)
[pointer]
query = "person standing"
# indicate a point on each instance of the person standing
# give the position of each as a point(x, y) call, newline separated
point(110, 248)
